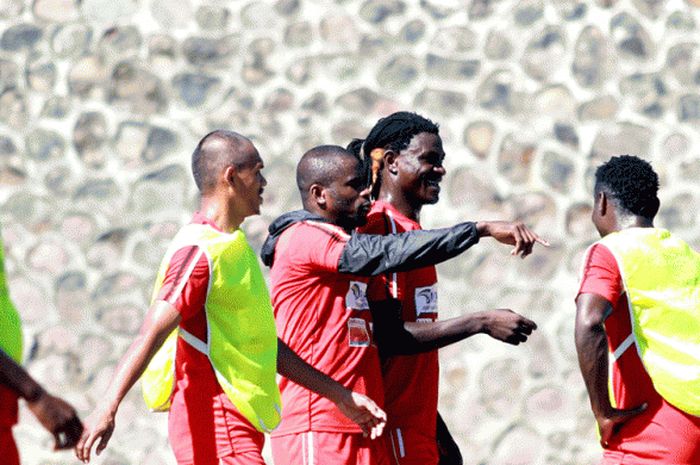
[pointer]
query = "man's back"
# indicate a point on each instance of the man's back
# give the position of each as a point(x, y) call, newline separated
point(662, 433)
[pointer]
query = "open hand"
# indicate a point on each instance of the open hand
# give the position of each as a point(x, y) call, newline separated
point(363, 411)
point(99, 425)
point(512, 233)
point(59, 418)
point(507, 326)
point(611, 423)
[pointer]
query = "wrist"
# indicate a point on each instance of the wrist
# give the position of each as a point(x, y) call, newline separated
point(482, 322)
point(338, 394)
point(34, 393)
point(482, 228)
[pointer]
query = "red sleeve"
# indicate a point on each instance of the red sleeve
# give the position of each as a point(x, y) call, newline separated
point(186, 281)
point(601, 275)
point(320, 245)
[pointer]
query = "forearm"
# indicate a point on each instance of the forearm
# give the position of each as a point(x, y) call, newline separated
point(18, 380)
point(131, 366)
point(293, 367)
point(592, 348)
point(371, 255)
point(441, 333)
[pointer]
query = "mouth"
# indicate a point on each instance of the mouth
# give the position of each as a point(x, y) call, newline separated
point(433, 184)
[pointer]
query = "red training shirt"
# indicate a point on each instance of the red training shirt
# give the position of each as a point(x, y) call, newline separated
point(662, 433)
point(324, 317)
point(410, 381)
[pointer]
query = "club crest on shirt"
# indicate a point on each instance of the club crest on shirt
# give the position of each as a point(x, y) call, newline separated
point(426, 300)
point(356, 298)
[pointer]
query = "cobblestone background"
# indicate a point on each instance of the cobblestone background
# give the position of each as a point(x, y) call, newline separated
point(102, 101)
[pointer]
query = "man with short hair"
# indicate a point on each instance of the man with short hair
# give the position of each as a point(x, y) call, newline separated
point(407, 154)
point(319, 274)
point(212, 324)
point(638, 324)
point(54, 414)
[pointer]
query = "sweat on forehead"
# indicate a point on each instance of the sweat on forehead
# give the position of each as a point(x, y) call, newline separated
point(321, 165)
point(216, 151)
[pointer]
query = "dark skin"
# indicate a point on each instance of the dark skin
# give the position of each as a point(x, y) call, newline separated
point(237, 194)
point(55, 415)
point(345, 202)
point(411, 179)
point(591, 312)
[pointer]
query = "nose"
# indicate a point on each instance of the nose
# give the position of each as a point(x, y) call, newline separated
point(364, 193)
point(440, 169)
point(263, 181)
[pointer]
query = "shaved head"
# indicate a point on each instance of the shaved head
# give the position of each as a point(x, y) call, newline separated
point(321, 165)
point(215, 152)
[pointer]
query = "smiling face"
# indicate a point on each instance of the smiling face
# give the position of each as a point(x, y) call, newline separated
point(419, 170)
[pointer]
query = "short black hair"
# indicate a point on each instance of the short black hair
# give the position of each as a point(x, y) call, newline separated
point(319, 165)
point(209, 158)
point(631, 182)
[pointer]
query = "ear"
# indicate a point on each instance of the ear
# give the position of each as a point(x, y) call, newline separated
point(602, 203)
point(317, 193)
point(230, 175)
point(390, 160)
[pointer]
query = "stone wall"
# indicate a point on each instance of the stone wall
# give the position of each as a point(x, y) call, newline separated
point(102, 101)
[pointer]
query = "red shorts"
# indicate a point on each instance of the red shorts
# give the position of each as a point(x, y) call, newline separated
point(10, 456)
point(326, 448)
point(411, 446)
point(213, 435)
point(246, 458)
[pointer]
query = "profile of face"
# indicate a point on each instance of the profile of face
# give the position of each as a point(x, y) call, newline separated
point(347, 196)
point(250, 184)
point(419, 169)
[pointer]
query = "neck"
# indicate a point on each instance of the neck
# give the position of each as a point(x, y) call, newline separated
point(218, 212)
point(397, 199)
point(331, 218)
point(632, 221)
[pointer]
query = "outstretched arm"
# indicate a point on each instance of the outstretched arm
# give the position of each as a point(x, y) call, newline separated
point(396, 337)
point(54, 414)
point(358, 407)
point(161, 320)
point(371, 254)
point(592, 348)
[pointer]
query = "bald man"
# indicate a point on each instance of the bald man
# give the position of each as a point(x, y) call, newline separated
point(212, 327)
point(319, 275)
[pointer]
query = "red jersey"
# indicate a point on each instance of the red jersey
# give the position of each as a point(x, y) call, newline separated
point(324, 317)
point(662, 433)
point(410, 381)
point(203, 423)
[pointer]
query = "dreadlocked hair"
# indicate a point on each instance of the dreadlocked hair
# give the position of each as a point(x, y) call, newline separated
point(632, 182)
point(393, 132)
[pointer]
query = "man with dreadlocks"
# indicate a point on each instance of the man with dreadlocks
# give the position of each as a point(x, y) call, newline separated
point(319, 270)
point(407, 167)
point(640, 290)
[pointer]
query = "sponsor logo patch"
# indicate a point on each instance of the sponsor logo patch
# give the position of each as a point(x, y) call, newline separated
point(426, 300)
point(356, 298)
point(358, 336)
